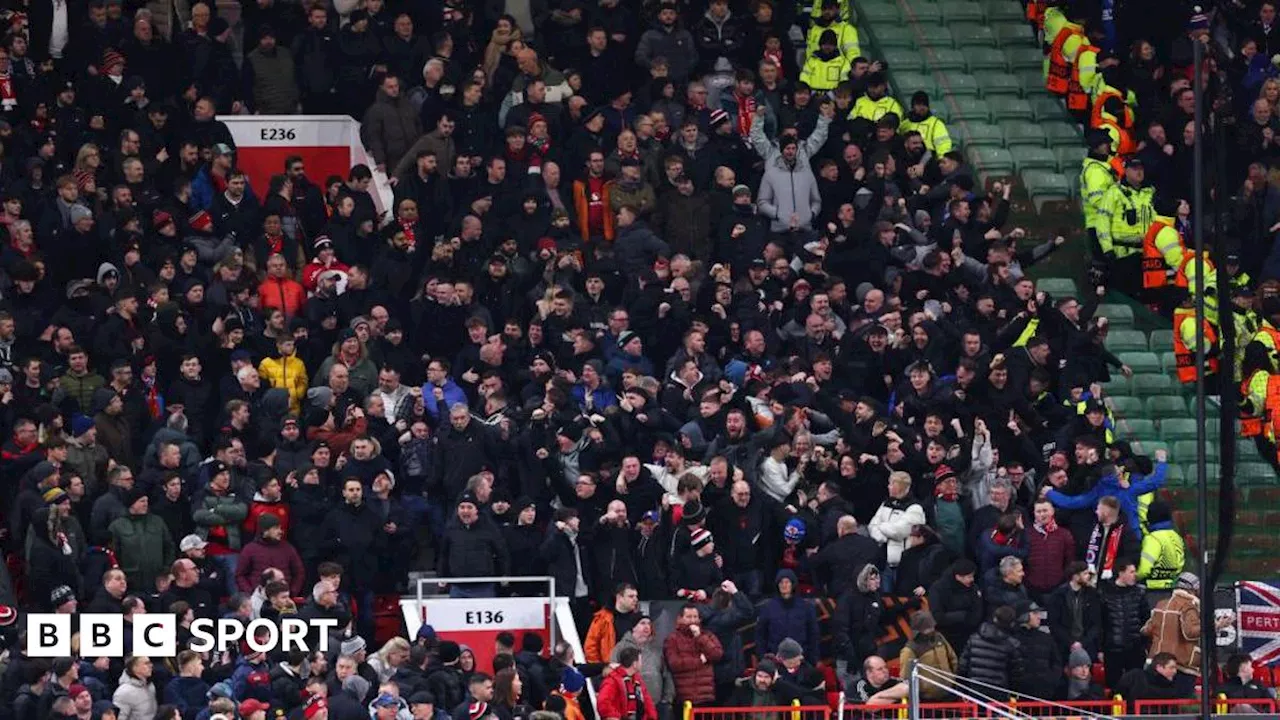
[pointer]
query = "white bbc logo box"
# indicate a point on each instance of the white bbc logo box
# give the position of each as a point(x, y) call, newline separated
point(101, 635)
point(156, 635)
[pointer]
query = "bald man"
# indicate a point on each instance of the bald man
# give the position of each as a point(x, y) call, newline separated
point(837, 564)
point(186, 588)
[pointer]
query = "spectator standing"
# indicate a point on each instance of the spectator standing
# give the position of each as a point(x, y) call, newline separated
point(691, 654)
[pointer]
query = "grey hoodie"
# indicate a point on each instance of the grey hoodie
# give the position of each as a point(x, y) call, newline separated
point(653, 667)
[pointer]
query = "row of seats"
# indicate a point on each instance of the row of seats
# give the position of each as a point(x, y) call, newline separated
point(969, 59)
point(889, 11)
point(1159, 407)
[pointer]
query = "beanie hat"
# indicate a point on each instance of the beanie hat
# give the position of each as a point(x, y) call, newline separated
point(1188, 581)
point(449, 652)
point(314, 705)
point(789, 649)
point(694, 513)
point(79, 212)
point(1079, 657)
point(60, 595)
point(55, 495)
point(81, 424)
point(266, 521)
point(794, 530)
point(352, 645)
point(74, 691)
point(700, 538)
point(625, 337)
point(572, 681)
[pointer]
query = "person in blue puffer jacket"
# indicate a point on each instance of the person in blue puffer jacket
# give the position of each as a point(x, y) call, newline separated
point(787, 616)
point(1124, 483)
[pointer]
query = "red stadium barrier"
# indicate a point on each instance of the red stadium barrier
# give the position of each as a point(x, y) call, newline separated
point(779, 712)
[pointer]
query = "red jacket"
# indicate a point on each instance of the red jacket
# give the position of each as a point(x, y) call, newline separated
point(258, 556)
point(284, 293)
point(617, 697)
point(260, 507)
point(1047, 558)
point(695, 680)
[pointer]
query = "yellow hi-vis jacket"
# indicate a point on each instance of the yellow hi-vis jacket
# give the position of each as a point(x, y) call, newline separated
point(1163, 556)
point(846, 38)
point(932, 130)
point(1096, 178)
point(824, 74)
point(872, 110)
point(1126, 211)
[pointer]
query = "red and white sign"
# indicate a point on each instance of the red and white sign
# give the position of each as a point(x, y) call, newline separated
point(328, 144)
point(477, 622)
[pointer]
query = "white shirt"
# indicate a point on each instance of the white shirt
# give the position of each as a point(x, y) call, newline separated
point(59, 36)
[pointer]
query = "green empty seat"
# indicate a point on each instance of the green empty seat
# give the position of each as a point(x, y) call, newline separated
point(1047, 108)
point(990, 159)
point(1026, 157)
point(1168, 359)
point(1123, 406)
point(973, 35)
point(959, 84)
point(1070, 159)
point(1151, 384)
point(1174, 429)
point(1061, 134)
point(1023, 133)
point(945, 60)
point(982, 134)
point(963, 12)
point(904, 60)
point(1044, 184)
point(1025, 58)
point(894, 36)
point(965, 110)
point(1147, 446)
point(1165, 406)
point(1245, 449)
point(907, 83)
point(1119, 316)
point(1256, 473)
point(1005, 109)
point(934, 35)
point(883, 13)
point(1118, 386)
point(1058, 287)
point(1141, 362)
point(1032, 82)
point(922, 13)
point(1014, 35)
point(1161, 340)
point(1000, 83)
point(1184, 451)
point(1126, 340)
point(1001, 11)
point(1136, 428)
point(984, 59)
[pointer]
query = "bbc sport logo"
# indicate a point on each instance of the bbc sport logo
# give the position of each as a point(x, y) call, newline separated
point(49, 635)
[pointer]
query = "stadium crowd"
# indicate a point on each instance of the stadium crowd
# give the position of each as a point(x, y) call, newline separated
point(673, 303)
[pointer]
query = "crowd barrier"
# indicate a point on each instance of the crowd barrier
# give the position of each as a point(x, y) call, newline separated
point(1116, 707)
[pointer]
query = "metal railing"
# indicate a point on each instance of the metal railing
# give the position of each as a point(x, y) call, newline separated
point(794, 711)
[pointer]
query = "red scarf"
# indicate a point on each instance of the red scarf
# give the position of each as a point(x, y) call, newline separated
point(746, 109)
point(776, 57)
point(1000, 538)
point(942, 494)
point(8, 92)
point(1049, 527)
point(275, 244)
point(409, 234)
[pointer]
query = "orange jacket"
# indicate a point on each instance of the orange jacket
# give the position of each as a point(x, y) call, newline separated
point(284, 293)
point(601, 637)
point(582, 210)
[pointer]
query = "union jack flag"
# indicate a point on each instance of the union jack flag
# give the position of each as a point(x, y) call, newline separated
point(1259, 621)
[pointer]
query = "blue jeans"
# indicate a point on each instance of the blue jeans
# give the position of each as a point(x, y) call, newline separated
point(887, 578)
point(228, 564)
point(472, 590)
point(418, 508)
point(435, 516)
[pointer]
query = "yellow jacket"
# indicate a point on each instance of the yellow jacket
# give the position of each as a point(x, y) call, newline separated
point(873, 110)
point(288, 374)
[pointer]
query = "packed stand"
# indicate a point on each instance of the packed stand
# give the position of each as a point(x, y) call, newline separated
point(673, 304)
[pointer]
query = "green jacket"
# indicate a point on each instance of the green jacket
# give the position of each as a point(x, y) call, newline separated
point(225, 511)
point(144, 548)
point(81, 388)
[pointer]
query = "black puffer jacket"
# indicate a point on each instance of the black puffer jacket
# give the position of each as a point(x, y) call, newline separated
point(474, 550)
point(857, 621)
point(958, 609)
point(993, 656)
point(1041, 662)
point(1124, 611)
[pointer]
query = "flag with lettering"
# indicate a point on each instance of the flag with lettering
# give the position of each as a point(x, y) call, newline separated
point(1258, 614)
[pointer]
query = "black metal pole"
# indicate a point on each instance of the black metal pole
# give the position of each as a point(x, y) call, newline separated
point(1207, 632)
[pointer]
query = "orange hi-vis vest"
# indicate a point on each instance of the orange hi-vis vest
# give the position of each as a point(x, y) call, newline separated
point(1124, 145)
point(1154, 272)
point(1253, 425)
point(1096, 117)
point(1180, 278)
point(1271, 411)
point(1186, 357)
point(1059, 69)
point(1077, 96)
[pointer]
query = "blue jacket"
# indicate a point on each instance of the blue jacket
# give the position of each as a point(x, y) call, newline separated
point(620, 362)
point(188, 694)
point(780, 619)
point(1139, 485)
point(601, 398)
point(452, 394)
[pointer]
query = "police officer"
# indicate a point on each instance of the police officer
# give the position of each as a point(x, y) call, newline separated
point(1163, 552)
point(1096, 178)
point(931, 128)
point(1126, 211)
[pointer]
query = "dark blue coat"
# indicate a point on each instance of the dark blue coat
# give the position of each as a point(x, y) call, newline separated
point(780, 619)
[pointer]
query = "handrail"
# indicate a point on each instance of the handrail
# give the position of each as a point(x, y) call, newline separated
point(549, 580)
